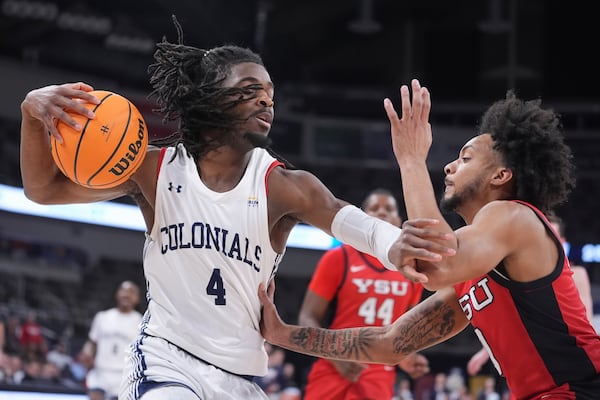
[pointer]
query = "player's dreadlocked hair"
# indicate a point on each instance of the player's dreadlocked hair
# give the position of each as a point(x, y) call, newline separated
point(187, 81)
point(531, 142)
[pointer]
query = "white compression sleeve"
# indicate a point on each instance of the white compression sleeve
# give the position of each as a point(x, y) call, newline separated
point(365, 233)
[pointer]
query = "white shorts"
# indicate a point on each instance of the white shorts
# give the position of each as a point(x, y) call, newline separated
point(104, 380)
point(162, 370)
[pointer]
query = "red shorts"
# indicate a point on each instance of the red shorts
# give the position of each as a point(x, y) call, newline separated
point(324, 382)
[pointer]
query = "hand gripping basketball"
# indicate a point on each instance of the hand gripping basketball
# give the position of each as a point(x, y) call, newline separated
point(108, 149)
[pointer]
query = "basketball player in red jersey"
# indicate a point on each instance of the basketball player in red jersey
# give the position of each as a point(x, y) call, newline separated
point(509, 279)
point(364, 293)
point(582, 282)
point(219, 206)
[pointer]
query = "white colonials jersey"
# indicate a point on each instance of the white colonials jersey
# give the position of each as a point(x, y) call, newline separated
point(204, 259)
point(113, 332)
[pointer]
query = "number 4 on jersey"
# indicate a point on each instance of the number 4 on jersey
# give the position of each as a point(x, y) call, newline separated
point(215, 287)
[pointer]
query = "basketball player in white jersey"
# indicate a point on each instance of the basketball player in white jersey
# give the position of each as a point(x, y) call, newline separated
point(110, 335)
point(219, 206)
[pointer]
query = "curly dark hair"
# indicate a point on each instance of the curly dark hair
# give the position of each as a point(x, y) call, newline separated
point(186, 83)
point(531, 142)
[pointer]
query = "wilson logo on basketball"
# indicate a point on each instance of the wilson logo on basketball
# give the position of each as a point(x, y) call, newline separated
point(134, 149)
point(108, 149)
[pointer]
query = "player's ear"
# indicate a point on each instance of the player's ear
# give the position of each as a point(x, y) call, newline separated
point(502, 176)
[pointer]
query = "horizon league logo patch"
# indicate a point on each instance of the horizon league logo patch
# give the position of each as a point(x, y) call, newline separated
point(252, 201)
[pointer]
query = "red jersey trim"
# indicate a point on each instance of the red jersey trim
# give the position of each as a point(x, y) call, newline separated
point(161, 157)
point(274, 164)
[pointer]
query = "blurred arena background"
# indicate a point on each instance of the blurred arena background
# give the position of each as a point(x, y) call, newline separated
point(332, 62)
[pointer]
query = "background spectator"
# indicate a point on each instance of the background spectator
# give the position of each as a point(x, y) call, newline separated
point(33, 343)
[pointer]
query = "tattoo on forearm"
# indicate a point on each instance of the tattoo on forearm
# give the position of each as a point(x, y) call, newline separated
point(415, 332)
point(424, 328)
point(350, 344)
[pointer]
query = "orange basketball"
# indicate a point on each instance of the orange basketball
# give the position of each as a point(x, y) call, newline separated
point(108, 149)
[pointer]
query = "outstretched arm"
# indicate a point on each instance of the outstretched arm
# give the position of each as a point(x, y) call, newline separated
point(434, 320)
point(301, 196)
point(411, 140)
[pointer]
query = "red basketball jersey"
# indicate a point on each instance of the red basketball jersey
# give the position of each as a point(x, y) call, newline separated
point(536, 332)
point(365, 291)
point(365, 294)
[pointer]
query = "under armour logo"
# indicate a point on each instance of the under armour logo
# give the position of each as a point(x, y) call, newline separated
point(104, 128)
point(177, 188)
